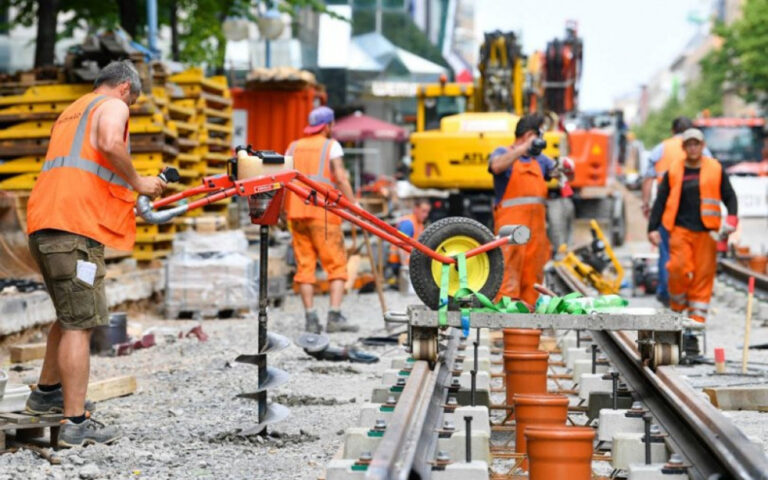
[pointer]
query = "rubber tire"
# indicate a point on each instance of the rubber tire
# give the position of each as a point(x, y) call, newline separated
point(618, 223)
point(421, 264)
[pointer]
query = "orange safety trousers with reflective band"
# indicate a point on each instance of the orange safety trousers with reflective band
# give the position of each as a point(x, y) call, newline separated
point(418, 229)
point(310, 157)
point(710, 176)
point(524, 203)
point(692, 266)
point(77, 190)
point(672, 151)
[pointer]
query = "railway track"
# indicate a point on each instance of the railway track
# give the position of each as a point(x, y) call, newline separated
point(735, 272)
point(711, 445)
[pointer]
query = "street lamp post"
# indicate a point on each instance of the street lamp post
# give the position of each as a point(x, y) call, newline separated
point(270, 25)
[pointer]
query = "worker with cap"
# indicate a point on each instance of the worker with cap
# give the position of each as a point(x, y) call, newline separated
point(520, 175)
point(659, 160)
point(82, 200)
point(317, 233)
point(687, 205)
point(412, 226)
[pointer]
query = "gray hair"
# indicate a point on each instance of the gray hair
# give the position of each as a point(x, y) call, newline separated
point(117, 73)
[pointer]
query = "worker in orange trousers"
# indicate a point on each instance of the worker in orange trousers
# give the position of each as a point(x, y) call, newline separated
point(412, 226)
point(315, 232)
point(520, 175)
point(688, 206)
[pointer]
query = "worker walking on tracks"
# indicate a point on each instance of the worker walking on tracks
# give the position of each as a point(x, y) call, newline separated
point(82, 201)
point(412, 226)
point(688, 207)
point(520, 175)
point(316, 233)
point(659, 161)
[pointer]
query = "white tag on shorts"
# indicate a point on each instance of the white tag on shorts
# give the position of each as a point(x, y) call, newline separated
point(86, 271)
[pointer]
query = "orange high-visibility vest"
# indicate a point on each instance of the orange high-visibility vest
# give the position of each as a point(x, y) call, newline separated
point(671, 151)
point(710, 176)
point(310, 157)
point(418, 229)
point(78, 191)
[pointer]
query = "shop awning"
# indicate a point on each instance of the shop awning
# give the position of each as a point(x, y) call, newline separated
point(357, 127)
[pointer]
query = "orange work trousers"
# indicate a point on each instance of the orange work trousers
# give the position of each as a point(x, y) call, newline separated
point(692, 266)
point(313, 239)
point(524, 264)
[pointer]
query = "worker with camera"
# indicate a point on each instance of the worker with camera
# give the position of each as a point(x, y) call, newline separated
point(520, 175)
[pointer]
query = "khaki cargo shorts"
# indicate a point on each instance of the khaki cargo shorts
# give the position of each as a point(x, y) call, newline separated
point(79, 305)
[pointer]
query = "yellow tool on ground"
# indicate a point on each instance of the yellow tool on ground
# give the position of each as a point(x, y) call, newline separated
point(595, 263)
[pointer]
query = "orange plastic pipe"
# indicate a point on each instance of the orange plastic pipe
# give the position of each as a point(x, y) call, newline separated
point(521, 339)
point(534, 411)
point(560, 452)
point(525, 372)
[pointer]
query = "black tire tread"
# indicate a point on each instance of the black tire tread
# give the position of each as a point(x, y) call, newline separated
point(420, 264)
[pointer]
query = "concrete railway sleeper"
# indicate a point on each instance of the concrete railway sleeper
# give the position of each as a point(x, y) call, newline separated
point(625, 419)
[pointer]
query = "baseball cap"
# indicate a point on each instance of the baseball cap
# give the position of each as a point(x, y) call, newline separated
point(318, 118)
point(693, 134)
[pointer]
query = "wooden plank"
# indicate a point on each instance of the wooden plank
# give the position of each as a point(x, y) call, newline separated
point(738, 398)
point(19, 418)
point(111, 388)
point(26, 352)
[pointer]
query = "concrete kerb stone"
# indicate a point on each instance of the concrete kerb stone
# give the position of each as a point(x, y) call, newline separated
point(613, 422)
point(629, 448)
point(474, 470)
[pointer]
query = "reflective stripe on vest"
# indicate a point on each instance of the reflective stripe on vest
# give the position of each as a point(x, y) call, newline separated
point(319, 177)
point(513, 202)
point(73, 160)
point(710, 179)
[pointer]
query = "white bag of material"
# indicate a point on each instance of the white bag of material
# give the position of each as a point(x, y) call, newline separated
point(190, 242)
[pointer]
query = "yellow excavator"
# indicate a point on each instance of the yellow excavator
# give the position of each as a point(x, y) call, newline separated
point(458, 125)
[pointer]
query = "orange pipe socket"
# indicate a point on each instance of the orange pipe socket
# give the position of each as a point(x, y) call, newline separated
point(525, 372)
point(560, 452)
point(535, 411)
point(521, 339)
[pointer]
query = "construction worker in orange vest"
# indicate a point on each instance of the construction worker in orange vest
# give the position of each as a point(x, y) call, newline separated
point(659, 160)
point(411, 225)
point(317, 233)
point(82, 201)
point(520, 175)
point(688, 206)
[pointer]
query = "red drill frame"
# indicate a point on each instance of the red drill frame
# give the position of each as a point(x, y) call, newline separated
point(219, 187)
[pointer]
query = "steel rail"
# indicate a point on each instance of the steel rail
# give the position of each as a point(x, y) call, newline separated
point(408, 445)
point(742, 274)
point(712, 445)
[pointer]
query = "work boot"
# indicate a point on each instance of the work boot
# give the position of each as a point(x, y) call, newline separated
point(87, 433)
point(312, 323)
point(691, 346)
point(40, 402)
point(339, 323)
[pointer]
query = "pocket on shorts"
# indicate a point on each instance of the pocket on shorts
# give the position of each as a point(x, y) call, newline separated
point(59, 255)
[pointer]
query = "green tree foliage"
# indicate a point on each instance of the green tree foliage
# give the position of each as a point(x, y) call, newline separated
point(199, 21)
point(739, 66)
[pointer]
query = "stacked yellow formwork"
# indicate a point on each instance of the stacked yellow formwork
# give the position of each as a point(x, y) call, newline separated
point(154, 138)
point(209, 128)
point(25, 128)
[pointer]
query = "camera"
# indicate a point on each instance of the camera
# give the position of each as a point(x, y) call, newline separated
point(537, 147)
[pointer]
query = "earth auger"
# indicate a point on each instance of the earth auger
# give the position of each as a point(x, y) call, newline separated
point(264, 177)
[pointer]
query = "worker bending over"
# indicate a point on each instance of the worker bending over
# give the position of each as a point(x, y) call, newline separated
point(688, 206)
point(315, 232)
point(83, 200)
point(411, 225)
point(520, 175)
point(661, 157)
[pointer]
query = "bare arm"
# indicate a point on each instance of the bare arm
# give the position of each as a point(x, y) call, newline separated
point(111, 119)
point(502, 162)
point(647, 186)
point(342, 178)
